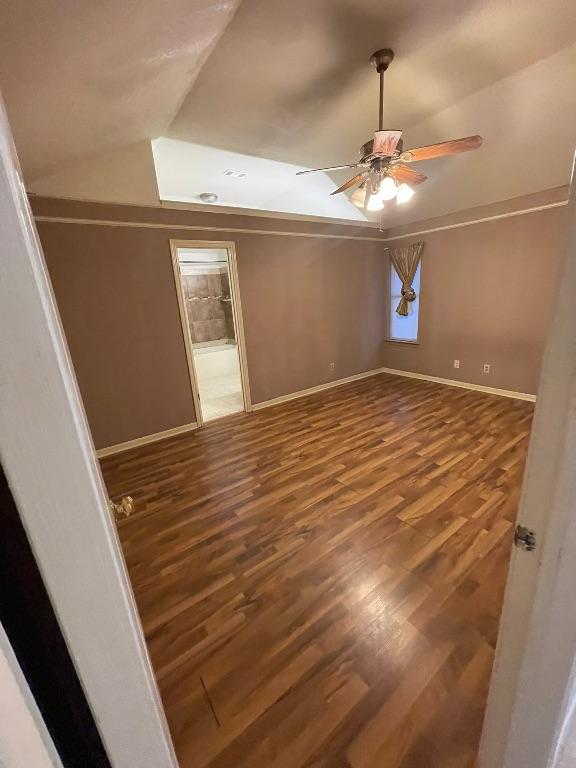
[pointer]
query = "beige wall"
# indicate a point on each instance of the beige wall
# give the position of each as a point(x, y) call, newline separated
point(487, 293)
point(487, 296)
point(307, 301)
point(115, 293)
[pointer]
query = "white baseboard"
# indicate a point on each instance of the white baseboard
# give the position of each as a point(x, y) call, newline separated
point(461, 384)
point(112, 449)
point(393, 372)
point(319, 388)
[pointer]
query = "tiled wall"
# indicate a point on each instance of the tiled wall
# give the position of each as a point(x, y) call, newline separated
point(209, 318)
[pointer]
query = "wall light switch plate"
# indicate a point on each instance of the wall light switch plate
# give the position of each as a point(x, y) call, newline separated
point(456, 363)
point(486, 367)
point(332, 366)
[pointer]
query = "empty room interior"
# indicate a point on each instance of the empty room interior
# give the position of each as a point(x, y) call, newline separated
point(305, 257)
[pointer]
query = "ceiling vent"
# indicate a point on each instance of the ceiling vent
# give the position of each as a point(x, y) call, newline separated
point(235, 174)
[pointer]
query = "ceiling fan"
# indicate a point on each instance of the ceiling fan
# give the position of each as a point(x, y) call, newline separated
point(384, 174)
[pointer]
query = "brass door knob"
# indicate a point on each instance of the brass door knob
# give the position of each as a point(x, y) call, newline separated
point(124, 509)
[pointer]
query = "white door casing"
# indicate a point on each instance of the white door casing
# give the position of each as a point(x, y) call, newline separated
point(230, 248)
point(531, 694)
point(48, 457)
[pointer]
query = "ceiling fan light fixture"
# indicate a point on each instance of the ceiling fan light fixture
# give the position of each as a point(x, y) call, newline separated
point(359, 196)
point(384, 163)
point(404, 194)
point(388, 189)
point(374, 203)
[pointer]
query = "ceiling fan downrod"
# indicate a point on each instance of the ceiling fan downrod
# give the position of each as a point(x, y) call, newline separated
point(382, 60)
point(385, 172)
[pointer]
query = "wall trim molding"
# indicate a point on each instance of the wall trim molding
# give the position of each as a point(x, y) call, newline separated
point(461, 384)
point(321, 235)
point(319, 388)
point(201, 228)
point(481, 220)
point(157, 436)
point(181, 205)
point(393, 372)
point(145, 440)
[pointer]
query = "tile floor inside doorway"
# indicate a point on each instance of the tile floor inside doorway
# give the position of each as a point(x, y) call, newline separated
point(221, 396)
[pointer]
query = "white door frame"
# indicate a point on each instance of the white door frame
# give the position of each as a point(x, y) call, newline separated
point(533, 691)
point(48, 456)
point(230, 247)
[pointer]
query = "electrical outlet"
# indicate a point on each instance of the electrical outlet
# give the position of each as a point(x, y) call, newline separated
point(486, 367)
point(456, 363)
point(332, 365)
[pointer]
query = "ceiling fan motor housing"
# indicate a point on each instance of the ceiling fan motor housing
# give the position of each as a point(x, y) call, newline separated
point(366, 149)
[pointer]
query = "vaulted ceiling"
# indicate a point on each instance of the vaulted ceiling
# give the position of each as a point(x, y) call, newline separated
point(290, 81)
point(80, 78)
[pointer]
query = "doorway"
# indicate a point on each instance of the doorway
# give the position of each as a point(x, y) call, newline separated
point(209, 300)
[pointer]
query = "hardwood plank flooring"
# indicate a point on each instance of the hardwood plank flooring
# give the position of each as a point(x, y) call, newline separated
point(320, 583)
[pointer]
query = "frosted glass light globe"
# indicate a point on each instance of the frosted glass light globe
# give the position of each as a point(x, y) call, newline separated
point(388, 189)
point(359, 197)
point(404, 194)
point(374, 203)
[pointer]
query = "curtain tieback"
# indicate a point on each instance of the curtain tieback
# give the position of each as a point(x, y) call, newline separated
point(408, 293)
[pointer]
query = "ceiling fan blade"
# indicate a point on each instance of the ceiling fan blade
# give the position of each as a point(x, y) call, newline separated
point(385, 142)
point(350, 183)
point(438, 150)
point(332, 168)
point(406, 175)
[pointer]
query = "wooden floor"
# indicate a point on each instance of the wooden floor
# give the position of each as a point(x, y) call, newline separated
point(320, 583)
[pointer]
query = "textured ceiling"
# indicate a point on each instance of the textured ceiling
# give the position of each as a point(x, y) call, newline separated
point(290, 81)
point(80, 78)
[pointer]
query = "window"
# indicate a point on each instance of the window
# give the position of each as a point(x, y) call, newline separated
point(403, 328)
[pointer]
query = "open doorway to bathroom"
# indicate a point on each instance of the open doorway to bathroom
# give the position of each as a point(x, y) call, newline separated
point(209, 299)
